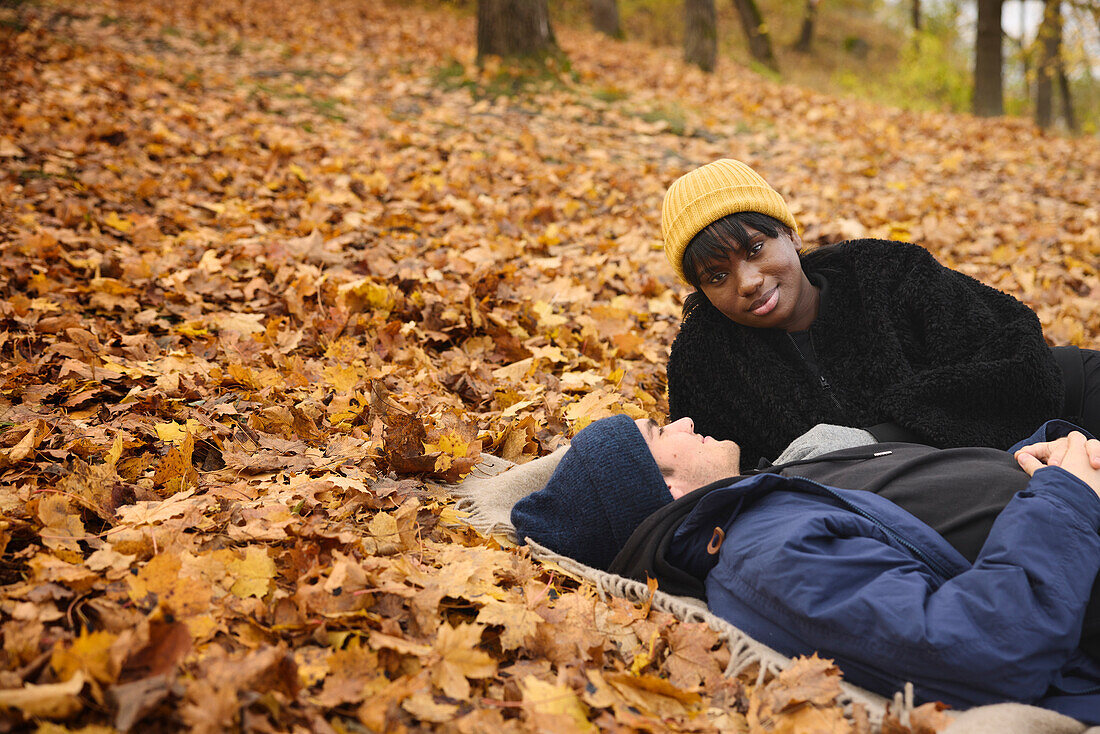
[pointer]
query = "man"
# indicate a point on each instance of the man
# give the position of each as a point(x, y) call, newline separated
point(967, 571)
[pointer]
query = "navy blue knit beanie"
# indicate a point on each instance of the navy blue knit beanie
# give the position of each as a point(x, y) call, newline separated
point(605, 485)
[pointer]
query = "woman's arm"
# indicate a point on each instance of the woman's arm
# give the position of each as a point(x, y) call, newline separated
point(981, 371)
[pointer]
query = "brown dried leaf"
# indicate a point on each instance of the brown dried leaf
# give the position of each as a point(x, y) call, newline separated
point(541, 698)
point(691, 658)
point(456, 659)
point(49, 701)
point(518, 621)
point(174, 472)
point(803, 694)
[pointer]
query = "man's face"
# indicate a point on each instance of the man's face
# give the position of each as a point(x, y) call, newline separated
point(688, 460)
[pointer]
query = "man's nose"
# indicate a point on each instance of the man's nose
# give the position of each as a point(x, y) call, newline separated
point(684, 424)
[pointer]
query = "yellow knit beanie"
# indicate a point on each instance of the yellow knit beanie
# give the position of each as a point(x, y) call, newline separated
point(709, 193)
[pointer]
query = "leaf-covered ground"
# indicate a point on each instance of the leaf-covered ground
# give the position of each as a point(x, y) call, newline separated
point(270, 270)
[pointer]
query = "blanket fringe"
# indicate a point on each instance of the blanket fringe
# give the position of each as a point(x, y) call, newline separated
point(485, 499)
point(744, 650)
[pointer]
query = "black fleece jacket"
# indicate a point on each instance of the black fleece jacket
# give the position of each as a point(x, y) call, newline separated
point(899, 338)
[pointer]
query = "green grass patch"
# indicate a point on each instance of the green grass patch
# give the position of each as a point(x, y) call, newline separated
point(328, 107)
point(609, 94)
point(673, 117)
point(766, 71)
point(929, 77)
point(516, 77)
point(191, 80)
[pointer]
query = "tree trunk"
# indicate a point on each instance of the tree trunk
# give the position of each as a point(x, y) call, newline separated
point(760, 44)
point(605, 17)
point(806, 37)
point(514, 28)
point(1024, 53)
point(988, 59)
point(1067, 98)
point(915, 14)
point(700, 33)
point(1050, 50)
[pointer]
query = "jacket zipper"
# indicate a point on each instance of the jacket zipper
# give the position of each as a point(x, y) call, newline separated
point(934, 565)
point(828, 388)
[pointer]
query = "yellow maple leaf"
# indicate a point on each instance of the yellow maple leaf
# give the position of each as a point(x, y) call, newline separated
point(376, 182)
point(192, 330)
point(644, 657)
point(175, 433)
point(115, 452)
point(253, 573)
point(456, 659)
point(649, 693)
point(366, 295)
point(580, 381)
point(342, 378)
point(390, 642)
point(150, 513)
point(515, 372)
point(518, 622)
point(383, 535)
point(155, 576)
point(547, 318)
point(122, 224)
point(900, 231)
point(448, 443)
point(244, 376)
point(90, 654)
point(593, 406)
point(9, 149)
point(238, 323)
point(424, 707)
point(552, 235)
point(297, 172)
point(63, 526)
point(48, 568)
point(550, 698)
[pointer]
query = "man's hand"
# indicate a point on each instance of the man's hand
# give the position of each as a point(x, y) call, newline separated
point(1074, 453)
point(1093, 447)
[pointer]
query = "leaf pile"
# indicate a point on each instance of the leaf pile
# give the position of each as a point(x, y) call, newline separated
point(270, 271)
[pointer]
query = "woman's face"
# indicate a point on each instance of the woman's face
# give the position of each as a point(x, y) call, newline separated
point(762, 285)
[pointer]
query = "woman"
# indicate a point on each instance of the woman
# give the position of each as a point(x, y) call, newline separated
point(867, 333)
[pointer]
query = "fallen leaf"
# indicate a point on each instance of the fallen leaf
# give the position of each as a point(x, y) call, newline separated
point(253, 574)
point(49, 700)
point(548, 698)
point(456, 659)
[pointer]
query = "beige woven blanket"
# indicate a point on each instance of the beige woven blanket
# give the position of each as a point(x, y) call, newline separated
point(487, 497)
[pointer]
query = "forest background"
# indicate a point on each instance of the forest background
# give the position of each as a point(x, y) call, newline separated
point(271, 272)
point(1036, 58)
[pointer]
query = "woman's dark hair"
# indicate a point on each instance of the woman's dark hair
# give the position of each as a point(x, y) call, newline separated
point(717, 240)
